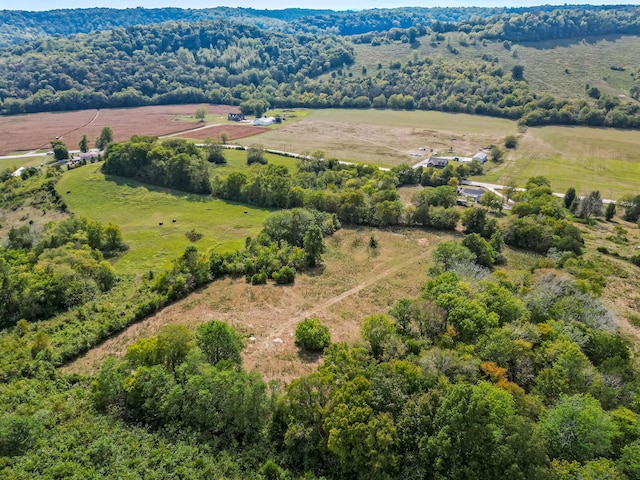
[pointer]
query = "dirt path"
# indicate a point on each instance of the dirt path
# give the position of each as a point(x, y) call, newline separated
point(197, 129)
point(95, 117)
point(336, 299)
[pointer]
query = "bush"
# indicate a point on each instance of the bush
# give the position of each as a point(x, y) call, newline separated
point(510, 141)
point(285, 275)
point(635, 259)
point(312, 335)
point(259, 278)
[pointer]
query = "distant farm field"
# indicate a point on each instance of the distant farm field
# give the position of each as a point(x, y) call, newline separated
point(35, 131)
point(139, 209)
point(585, 158)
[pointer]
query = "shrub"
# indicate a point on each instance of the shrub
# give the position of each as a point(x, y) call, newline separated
point(193, 235)
point(635, 259)
point(510, 141)
point(312, 335)
point(284, 276)
point(259, 278)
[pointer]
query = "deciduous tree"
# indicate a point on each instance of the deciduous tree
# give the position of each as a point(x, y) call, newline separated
point(219, 341)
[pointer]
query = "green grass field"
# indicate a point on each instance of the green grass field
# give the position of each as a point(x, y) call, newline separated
point(138, 209)
point(237, 162)
point(585, 158)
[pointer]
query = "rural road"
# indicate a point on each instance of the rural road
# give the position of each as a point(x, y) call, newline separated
point(493, 187)
point(489, 186)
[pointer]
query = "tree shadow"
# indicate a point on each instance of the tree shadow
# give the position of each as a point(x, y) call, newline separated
point(308, 357)
point(316, 271)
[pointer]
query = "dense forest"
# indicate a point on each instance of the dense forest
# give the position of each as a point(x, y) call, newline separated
point(222, 62)
point(18, 26)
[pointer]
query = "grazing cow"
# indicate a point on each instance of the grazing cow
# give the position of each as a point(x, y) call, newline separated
point(246, 212)
point(68, 191)
point(174, 220)
point(160, 223)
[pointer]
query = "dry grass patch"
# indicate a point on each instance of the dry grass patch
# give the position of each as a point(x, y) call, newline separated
point(387, 138)
point(354, 281)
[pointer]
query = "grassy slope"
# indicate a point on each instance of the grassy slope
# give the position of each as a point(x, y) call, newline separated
point(587, 61)
point(138, 209)
point(353, 282)
point(237, 162)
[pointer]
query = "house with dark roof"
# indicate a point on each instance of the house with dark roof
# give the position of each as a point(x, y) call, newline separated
point(235, 117)
point(471, 193)
point(437, 162)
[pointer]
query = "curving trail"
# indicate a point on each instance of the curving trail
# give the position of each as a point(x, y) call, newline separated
point(338, 298)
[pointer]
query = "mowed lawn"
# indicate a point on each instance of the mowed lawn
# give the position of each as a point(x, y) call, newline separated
point(585, 158)
point(139, 209)
point(237, 162)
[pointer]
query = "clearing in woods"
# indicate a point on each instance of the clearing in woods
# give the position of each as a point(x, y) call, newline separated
point(354, 281)
point(140, 209)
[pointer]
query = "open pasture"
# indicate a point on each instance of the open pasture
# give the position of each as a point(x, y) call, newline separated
point(386, 137)
point(237, 162)
point(585, 158)
point(139, 209)
point(354, 281)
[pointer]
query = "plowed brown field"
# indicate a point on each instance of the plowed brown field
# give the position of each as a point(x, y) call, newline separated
point(35, 131)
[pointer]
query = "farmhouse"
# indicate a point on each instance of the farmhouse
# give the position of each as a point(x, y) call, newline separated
point(235, 117)
point(437, 162)
point(471, 193)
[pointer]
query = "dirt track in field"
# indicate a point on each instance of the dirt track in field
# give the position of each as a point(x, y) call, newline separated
point(351, 284)
point(214, 131)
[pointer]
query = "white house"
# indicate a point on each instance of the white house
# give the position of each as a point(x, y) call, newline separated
point(481, 157)
point(93, 153)
point(264, 121)
point(18, 172)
